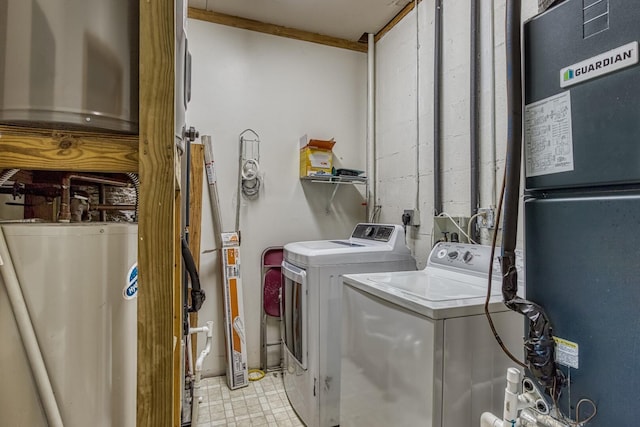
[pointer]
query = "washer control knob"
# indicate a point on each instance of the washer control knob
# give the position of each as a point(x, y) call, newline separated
point(453, 255)
point(467, 257)
point(369, 231)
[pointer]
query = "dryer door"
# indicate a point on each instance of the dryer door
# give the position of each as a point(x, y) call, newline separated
point(295, 311)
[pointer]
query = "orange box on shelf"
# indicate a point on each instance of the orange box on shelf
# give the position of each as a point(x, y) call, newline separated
point(316, 156)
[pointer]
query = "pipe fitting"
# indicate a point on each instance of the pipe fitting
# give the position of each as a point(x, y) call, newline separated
point(65, 201)
point(489, 420)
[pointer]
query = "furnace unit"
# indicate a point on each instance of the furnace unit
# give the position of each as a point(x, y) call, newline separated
point(582, 197)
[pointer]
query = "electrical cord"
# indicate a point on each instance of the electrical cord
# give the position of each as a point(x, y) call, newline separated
point(486, 301)
point(595, 411)
point(375, 213)
point(568, 420)
point(470, 223)
point(251, 187)
point(446, 215)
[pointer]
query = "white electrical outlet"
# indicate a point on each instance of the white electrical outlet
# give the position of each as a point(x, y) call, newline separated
point(488, 220)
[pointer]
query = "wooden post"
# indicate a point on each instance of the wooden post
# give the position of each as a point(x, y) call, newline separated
point(195, 221)
point(157, 215)
point(177, 314)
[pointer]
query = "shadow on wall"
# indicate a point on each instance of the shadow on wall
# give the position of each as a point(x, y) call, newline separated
point(333, 200)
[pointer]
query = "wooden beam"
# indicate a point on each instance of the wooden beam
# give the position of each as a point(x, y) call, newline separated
point(195, 220)
point(47, 149)
point(177, 316)
point(156, 227)
point(396, 19)
point(276, 30)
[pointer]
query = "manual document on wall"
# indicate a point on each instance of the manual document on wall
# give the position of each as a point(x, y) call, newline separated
point(547, 135)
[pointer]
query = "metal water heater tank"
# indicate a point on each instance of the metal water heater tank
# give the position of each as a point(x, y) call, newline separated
point(69, 63)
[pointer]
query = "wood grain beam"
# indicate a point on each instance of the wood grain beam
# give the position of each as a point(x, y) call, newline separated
point(195, 220)
point(276, 30)
point(47, 149)
point(177, 315)
point(396, 19)
point(156, 227)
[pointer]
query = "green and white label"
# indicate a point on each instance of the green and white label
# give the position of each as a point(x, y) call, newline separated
point(567, 352)
point(615, 59)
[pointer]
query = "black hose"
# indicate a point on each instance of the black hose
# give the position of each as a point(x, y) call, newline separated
point(539, 345)
point(514, 131)
point(197, 293)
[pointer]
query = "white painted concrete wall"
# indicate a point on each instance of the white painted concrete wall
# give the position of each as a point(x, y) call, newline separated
point(282, 89)
point(10, 212)
point(404, 114)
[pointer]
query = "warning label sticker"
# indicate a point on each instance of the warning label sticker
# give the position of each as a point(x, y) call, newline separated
point(547, 135)
point(567, 352)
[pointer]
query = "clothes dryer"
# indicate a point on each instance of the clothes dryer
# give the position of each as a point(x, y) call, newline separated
point(312, 307)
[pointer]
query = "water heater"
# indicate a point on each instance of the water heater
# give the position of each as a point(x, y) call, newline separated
point(79, 283)
point(69, 63)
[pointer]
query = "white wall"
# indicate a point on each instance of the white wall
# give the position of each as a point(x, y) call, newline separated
point(282, 89)
point(9, 212)
point(401, 122)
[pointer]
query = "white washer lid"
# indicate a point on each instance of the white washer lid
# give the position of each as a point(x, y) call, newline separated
point(433, 295)
point(433, 287)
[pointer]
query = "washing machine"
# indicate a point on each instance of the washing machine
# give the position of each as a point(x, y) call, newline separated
point(417, 348)
point(311, 303)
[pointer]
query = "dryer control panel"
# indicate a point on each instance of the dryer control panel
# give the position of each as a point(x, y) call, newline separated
point(377, 232)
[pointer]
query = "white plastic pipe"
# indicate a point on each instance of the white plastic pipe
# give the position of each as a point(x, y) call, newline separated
point(492, 73)
point(489, 420)
point(189, 354)
point(28, 336)
point(197, 390)
point(371, 128)
point(510, 410)
point(212, 181)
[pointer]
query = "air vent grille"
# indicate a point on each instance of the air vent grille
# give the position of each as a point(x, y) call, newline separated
point(595, 17)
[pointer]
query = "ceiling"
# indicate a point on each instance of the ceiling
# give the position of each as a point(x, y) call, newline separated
point(345, 19)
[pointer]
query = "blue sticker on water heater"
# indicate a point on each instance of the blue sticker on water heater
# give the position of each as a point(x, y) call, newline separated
point(131, 289)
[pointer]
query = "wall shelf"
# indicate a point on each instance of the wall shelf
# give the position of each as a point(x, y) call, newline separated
point(336, 180)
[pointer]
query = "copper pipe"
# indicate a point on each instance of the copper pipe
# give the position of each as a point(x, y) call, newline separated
point(65, 202)
point(112, 208)
point(102, 199)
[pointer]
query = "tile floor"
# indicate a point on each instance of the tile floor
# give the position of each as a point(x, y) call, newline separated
point(262, 403)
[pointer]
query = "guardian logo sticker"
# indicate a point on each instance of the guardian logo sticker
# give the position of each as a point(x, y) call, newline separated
point(616, 59)
point(130, 291)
